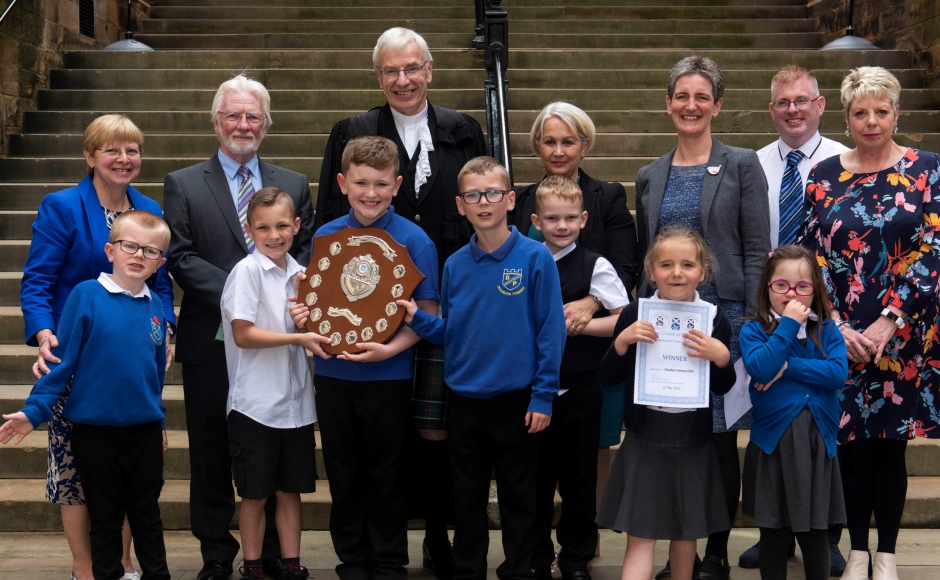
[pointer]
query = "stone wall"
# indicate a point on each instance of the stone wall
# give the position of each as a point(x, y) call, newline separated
point(912, 25)
point(32, 39)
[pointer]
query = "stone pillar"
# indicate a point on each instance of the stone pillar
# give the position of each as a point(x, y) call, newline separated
point(912, 25)
point(34, 36)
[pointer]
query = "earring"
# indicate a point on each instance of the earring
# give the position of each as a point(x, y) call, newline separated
point(847, 132)
point(895, 128)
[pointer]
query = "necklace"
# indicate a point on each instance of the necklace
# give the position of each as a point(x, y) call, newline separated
point(870, 177)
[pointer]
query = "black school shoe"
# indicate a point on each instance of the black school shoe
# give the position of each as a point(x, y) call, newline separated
point(713, 568)
point(272, 567)
point(215, 570)
point(438, 557)
point(666, 573)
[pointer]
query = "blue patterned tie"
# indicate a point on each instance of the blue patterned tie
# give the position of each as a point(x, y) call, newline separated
point(791, 199)
point(245, 192)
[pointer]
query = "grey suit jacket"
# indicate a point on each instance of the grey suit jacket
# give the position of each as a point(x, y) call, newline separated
point(734, 215)
point(207, 241)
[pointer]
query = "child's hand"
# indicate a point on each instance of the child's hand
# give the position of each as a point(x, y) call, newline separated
point(17, 425)
point(706, 347)
point(410, 306)
point(312, 341)
point(372, 352)
point(166, 442)
point(300, 277)
point(537, 421)
point(169, 354)
point(299, 313)
point(640, 330)
point(796, 311)
point(765, 386)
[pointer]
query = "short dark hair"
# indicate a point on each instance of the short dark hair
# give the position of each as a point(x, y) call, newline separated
point(697, 65)
point(372, 151)
point(270, 196)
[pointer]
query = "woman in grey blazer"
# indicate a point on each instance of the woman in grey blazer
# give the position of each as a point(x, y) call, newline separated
point(720, 192)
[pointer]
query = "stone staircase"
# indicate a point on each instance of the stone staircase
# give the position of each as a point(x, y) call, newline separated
point(610, 57)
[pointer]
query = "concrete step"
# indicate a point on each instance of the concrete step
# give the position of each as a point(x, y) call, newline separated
point(618, 99)
point(347, 79)
point(756, 9)
point(790, 40)
point(249, 60)
point(520, 121)
point(460, 3)
point(233, 24)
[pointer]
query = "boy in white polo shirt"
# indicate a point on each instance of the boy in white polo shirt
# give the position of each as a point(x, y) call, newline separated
point(270, 400)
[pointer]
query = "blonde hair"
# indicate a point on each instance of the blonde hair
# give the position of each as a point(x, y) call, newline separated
point(792, 73)
point(243, 84)
point(372, 151)
point(108, 129)
point(481, 166)
point(560, 187)
point(681, 234)
point(396, 39)
point(145, 221)
point(577, 121)
point(870, 81)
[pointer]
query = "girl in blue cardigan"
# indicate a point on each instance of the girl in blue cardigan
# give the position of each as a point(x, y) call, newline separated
point(796, 357)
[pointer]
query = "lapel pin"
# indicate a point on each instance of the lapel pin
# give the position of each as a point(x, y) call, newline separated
point(714, 170)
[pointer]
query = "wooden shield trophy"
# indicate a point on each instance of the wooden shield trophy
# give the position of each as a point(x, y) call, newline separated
point(353, 280)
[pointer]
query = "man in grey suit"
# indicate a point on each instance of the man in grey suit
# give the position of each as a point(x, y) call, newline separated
point(201, 205)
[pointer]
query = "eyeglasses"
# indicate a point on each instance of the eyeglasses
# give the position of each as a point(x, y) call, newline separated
point(801, 288)
point(800, 103)
point(492, 196)
point(235, 118)
point(410, 71)
point(114, 152)
point(131, 248)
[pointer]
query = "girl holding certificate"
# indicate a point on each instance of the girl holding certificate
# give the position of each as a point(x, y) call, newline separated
point(795, 354)
point(665, 483)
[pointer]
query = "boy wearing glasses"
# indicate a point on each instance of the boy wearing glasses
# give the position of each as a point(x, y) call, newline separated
point(503, 331)
point(270, 405)
point(111, 344)
point(365, 409)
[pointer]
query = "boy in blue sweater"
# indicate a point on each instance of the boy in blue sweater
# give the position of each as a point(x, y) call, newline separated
point(364, 399)
point(501, 284)
point(111, 343)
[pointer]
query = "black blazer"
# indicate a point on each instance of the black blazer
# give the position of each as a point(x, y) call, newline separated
point(610, 230)
point(734, 212)
point(207, 242)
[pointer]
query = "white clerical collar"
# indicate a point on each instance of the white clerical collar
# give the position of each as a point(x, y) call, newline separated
point(404, 120)
point(111, 286)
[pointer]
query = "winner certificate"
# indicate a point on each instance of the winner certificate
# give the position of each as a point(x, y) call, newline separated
point(665, 375)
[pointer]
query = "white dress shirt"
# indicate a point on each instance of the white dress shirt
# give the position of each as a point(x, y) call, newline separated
point(773, 158)
point(273, 386)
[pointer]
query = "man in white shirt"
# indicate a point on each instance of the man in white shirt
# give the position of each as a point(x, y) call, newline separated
point(795, 108)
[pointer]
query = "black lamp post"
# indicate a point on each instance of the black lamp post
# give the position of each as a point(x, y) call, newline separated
point(850, 41)
point(128, 43)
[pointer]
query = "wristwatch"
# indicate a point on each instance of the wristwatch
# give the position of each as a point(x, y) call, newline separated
point(897, 320)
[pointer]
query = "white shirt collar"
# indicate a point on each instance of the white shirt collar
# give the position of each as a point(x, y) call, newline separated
point(111, 286)
point(801, 333)
point(268, 264)
point(808, 149)
point(563, 252)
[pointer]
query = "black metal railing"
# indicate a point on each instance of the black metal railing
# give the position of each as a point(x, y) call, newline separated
point(495, 29)
point(7, 11)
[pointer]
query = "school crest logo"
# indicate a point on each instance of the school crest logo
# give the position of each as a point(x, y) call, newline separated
point(156, 330)
point(675, 324)
point(690, 323)
point(511, 283)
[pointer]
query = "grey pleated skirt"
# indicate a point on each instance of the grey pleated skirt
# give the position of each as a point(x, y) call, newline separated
point(797, 486)
point(664, 484)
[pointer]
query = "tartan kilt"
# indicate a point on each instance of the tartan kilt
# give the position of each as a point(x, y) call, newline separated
point(429, 400)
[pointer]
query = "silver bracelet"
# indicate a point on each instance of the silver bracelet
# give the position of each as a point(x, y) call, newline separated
point(44, 339)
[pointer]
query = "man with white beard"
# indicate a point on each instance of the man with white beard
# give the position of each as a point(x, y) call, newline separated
point(204, 205)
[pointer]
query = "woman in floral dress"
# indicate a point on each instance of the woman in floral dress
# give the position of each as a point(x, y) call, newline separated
point(874, 223)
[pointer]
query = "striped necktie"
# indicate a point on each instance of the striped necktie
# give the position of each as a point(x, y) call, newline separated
point(244, 196)
point(791, 199)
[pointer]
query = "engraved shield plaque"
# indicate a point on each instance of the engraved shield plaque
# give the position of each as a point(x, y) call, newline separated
point(353, 280)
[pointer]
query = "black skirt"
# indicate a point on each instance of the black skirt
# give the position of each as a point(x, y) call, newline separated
point(664, 484)
point(797, 486)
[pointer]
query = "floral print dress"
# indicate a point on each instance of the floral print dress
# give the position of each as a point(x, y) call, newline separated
point(877, 238)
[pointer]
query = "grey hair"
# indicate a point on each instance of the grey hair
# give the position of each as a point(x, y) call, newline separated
point(398, 38)
point(697, 65)
point(243, 84)
point(576, 119)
